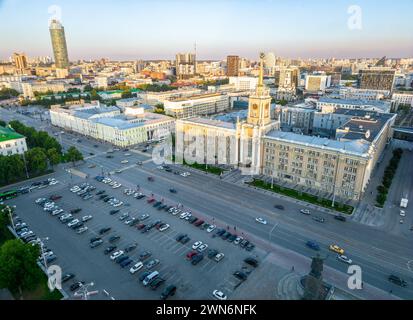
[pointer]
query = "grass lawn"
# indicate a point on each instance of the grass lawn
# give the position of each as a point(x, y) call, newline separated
point(202, 167)
point(343, 208)
point(42, 292)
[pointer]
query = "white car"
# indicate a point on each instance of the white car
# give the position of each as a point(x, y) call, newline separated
point(112, 183)
point(65, 216)
point(86, 218)
point(219, 257)
point(402, 213)
point(118, 204)
point(344, 259)
point(40, 200)
point(159, 167)
point(73, 222)
point(219, 295)
point(238, 240)
point(211, 228)
point(81, 230)
point(56, 212)
point(116, 254)
point(136, 267)
point(164, 227)
point(305, 211)
point(261, 220)
point(75, 189)
point(53, 182)
point(127, 154)
point(124, 161)
point(203, 247)
point(117, 186)
point(185, 174)
point(196, 245)
point(184, 215)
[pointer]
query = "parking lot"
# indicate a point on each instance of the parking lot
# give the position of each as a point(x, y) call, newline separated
point(75, 256)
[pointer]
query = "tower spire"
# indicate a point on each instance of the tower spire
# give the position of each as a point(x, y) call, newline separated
point(261, 74)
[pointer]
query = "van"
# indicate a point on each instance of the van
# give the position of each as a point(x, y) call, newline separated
point(150, 277)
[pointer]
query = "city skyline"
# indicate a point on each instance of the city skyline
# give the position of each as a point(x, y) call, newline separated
point(145, 30)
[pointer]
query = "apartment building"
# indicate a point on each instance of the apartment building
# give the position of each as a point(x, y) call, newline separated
point(11, 142)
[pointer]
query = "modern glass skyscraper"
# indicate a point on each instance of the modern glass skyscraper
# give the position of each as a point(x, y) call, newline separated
point(57, 33)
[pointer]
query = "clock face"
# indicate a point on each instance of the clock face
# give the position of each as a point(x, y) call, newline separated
point(254, 106)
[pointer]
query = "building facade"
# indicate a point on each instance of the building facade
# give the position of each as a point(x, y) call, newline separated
point(244, 83)
point(327, 105)
point(377, 78)
point(185, 65)
point(403, 98)
point(57, 34)
point(316, 83)
point(11, 142)
point(203, 104)
point(232, 66)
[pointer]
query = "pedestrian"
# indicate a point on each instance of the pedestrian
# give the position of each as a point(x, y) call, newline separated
point(292, 268)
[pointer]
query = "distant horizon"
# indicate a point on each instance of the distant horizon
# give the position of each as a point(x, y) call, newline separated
point(128, 30)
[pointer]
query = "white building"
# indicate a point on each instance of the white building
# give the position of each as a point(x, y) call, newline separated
point(160, 97)
point(403, 98)
point(109, 124)
point(197, 105)
point(11, 142)
point(244, 83)
point(315, 83)
point(363, 94)
point(29, 88)
point(101, 82)
point(128, 102)
point(327, 105)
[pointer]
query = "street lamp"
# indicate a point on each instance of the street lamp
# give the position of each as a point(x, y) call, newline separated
point(9, 211)
point(83, 290)
point(42, 250)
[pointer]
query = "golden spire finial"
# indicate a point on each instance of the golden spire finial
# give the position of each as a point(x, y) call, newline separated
point(261, 74)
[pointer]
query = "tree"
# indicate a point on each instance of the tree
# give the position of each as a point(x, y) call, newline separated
point(3, 123)
point(36, 160)
point(4, 221)
point(73, 155)
point(53, 156)
point(18, 268)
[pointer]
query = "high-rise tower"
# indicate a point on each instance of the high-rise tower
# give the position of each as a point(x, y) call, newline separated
point(57, 34)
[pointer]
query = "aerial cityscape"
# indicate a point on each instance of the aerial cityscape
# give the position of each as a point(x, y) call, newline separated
point(220, 150)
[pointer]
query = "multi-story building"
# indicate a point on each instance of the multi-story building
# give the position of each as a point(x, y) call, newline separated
point(340, 167)
point(232, 66)
point(299, 120)
point(185, 65)
point(20, 61)
point(57, 34)
point(160, 97)
point(326, 104)
point(29, 88)
point(363, 94)
point(202, 104)
point(11, 142)
point(316, 83)
point(405, 98)
point(110, 125)
point(287, 83)
point(244, 83)
point(376, 78)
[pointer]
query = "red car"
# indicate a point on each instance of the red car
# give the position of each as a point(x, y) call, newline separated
point(140, 226)
point(55, 197)
point(198, 223)
point(150, 200)
point(191, 254)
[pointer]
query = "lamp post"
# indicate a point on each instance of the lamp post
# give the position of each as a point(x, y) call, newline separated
point(42, 250)
point(83, 290)
point(9, 211)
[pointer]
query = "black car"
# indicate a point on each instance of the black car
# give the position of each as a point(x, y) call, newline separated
point(397, 280)
point(192, 219)
point(121, 258)
point(100, 192)
point(250, 247)
point(172, 190)
point(212, 253)
point(76, 285)
point(131, 247)
point(126, 262)
point(319, 219)
point(109, 249)
point(94, 239)
point(232, 237)
point(220, 232)
point(251, 261)
point(240, 275)
point(112, 212)
point(103, 196)
point(244, 243)
point(226, 235)
point(75, 210)
point(157, 204)
point(114, 239)
point(162, 207)
point(155, 284)
point(279, 207)
point(67, 277)
point(144, 255)
point(168, 292)
point(104, 230)
point(144, 275)
point(185, 239)
point(340, 218)
point(78, 225)
point(180, 237)
point(197, 258)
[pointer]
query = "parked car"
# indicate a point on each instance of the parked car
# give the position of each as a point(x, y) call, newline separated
point(104, 230)
point(219, 295)
point(114, 239)
point(168, 292)
point(261, 220)
point(155, 284)
point(67, 277)
point(251, 261)
point(197, 258)
point(96, 243)
point(116, 254)
point(219, 257)
point(279, 207)
point(76, 285)
point(240, 275)
point(319, 219)
point(131, 247)
point(340, 218)
point(109, 249)
point(86, 218)
point(152, 263)
point(305, 211)
point(136, 267)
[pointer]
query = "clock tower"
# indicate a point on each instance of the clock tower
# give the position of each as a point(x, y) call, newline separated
point(260, 101)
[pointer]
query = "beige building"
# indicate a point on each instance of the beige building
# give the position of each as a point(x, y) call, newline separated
point(202, 104)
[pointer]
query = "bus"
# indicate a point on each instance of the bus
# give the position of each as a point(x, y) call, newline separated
point(8, 195)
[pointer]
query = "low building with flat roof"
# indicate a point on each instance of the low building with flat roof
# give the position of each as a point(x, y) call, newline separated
point(326, 104)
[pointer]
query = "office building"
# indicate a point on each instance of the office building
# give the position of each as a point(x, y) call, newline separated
point(233, 66)
point(326, 105)
point(287, 83)
point(20, 62)
point(109, 124)
point(244, 83)
point(11, 142)
point(404, 98)
point(298, 120)
point(57, 34)
point(191, 106)
point(317, 83)
point(376, 78)
point(185, 65)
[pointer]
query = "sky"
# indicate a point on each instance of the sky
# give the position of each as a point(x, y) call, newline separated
point(158, 29)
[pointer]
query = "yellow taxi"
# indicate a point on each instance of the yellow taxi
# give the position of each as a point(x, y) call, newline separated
point(337, 249)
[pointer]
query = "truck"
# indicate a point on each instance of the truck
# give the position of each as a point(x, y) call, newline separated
point(403, 202)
